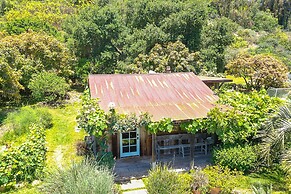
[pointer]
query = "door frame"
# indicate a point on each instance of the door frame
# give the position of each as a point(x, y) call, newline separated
point(137, 153)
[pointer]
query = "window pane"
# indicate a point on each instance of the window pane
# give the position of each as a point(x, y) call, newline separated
point(132, 141)
point(125, 142)
point(132, 134)
point(125, 149)
point(125, 135)
point(132, 148)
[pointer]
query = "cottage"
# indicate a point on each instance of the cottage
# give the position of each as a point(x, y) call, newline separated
point(179, 96)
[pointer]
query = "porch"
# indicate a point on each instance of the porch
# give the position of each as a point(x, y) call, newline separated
point(138, 167)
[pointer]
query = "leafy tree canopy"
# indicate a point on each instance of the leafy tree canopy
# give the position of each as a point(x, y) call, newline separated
point(259, 71)
point(32, 52)
point(175, 55)
point(9, 82)
point(216, 36)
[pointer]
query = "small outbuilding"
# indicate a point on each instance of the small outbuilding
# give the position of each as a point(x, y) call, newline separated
point(179, 96)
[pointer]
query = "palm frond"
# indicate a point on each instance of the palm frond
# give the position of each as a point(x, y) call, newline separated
point(276, 132)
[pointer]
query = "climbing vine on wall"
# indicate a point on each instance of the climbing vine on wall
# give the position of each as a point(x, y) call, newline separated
point(127, 122)
point(91, 118)
point(237, 117)
point(100, 124)
point(164, 125)
point(193, 126)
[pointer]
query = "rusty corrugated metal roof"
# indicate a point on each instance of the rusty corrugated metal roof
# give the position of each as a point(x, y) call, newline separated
point(179, 96)
point(206, 79)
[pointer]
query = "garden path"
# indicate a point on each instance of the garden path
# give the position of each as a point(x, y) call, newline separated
point(133, 187)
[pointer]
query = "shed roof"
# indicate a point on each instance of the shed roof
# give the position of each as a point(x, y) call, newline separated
point(206, 79)
point(179, 96)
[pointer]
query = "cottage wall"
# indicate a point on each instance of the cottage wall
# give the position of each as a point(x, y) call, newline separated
point(145, 143)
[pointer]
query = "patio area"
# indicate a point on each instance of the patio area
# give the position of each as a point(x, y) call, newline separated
point(137, 167)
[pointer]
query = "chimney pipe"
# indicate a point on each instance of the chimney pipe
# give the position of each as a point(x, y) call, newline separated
point(168, 69)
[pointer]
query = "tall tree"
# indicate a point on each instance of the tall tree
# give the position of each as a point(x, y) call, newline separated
point(280, 8)
point(93, 34)
point(216, 36)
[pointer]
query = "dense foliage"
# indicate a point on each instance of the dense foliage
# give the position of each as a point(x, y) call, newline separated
point(259, 71)
point(9, 82)
point(85, 177)
point(25, 162)
point(238, 116)
point(30, 53)
point(48, 87)
point(222, 178)
point(211, 179)
point(91, 118)
point(164, 125)
point(126, 122)
point(236, 158)
point(175, 55)
point(276, 136)
point(162, 180)
point(96, 36)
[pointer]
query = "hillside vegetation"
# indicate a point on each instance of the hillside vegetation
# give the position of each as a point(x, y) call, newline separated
point(71, 38)
point(48, 48)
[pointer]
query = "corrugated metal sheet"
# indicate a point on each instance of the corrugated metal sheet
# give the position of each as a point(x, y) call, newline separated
point(179, 96)
point(206, 79)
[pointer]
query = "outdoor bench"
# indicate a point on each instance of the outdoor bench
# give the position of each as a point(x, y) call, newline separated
point(167, 142)
point(181, 142)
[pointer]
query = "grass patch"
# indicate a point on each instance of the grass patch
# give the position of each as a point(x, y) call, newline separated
point(247, 181)
point(25, 190)
point(61, 138)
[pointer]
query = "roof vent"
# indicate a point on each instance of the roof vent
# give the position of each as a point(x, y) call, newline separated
point(152, 72)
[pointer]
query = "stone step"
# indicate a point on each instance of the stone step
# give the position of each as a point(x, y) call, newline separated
point(142, 191)
point(132, 185)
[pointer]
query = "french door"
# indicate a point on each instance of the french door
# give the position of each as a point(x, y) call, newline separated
point(129, 143)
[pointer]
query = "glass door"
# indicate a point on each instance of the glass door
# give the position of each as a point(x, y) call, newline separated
point(129, 143)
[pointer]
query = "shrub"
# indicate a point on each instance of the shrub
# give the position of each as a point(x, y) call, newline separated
point(263, 20)
point(21, 120)
point(26, 162)
point(48, 87)
point(240, 158)
point(222, 178)
point(161, 180)
point(105, 159)
point(82, 149)
point(262, 189)
point(85, 177)
point(199, 181)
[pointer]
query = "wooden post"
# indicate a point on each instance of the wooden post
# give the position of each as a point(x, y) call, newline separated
point(154, 157)
point(118, 144)
point(142, 136)
point(192, 147)
point(109, 143)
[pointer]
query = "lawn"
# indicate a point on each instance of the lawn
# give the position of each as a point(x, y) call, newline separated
point(62, 137)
